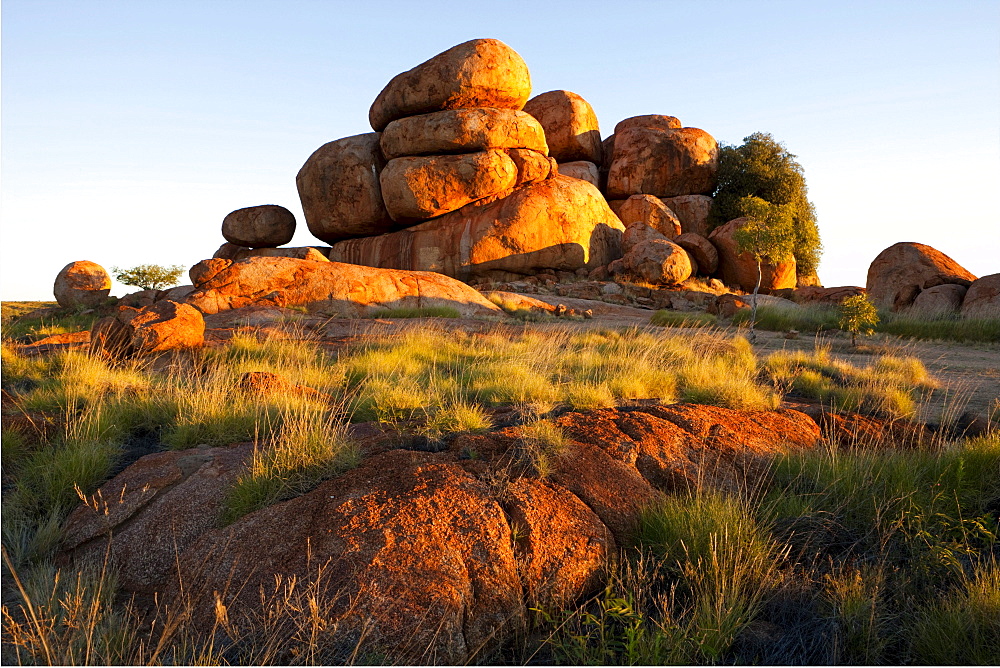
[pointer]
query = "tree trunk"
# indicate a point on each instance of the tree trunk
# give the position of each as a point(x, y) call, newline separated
point(753, 313)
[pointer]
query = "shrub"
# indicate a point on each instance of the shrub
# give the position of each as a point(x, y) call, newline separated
point(858, 315)
point(148, 276)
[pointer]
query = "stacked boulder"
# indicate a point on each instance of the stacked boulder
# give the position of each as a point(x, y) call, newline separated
point(572, 132)
point(258, 231)
point(921, 279)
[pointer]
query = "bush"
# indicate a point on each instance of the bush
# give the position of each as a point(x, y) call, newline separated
point(858, 315)
point(763, 168)
point(149, 276)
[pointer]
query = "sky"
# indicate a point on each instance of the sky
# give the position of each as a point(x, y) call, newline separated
point(129, 129)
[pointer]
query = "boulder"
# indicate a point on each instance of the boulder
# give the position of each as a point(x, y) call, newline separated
point(649, 255)
point(983, 298)
point(176, 293)
point(727, 305)
point(327, 288)
point(418, 188)
point(664, 163)
point(560, 223)
point(156, 328)
point(939, 301)
point(810, 280)
point(739, 270)
point(583, 170)
point(297, 252)
point(478, 73)
point(264, 226)
point(702, 250)
point(531, 165)
point(651, 211)
point(607, 152)
point(82, 284)
point(821, 295)
point(340, 190)
point(570, 126)
point(898, 274)
point(462, 131)
point(649, 122)
point(692, 211)
point(139, 299)
point(229, 251)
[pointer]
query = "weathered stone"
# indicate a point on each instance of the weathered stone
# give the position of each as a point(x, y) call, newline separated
point(570, 126)
point(139, 299)
point(651, 211)
point(739, 270)
point(418, 188)
point(639, 232)
point(329, 288)
point(583, 170)
point(229, 251)
point(692, 211)
point(607, 152)
point(702, 250)
point(939, 300)
point(462, 131)
point(649, 122)
point(821, 295)
point(664, 163)
point(166, 325)
point(264, 226)
point(726, 305)
point(983, 298)
point(340, 190)
point(659, 261)
point(898, 274)
point(82, 284)
point(559, 223)
point(297, 252)
point(478, 73)
point(176, 293)
point(531, 165)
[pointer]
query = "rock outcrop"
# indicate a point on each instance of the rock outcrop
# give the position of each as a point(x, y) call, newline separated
point(265, 226)
point(570, 124)
point(340, 189)
point(560, 223)
point(82, 284)
point(739, 270)
point(900, 272)
point(983, 298)
point(478, 73)
point(327, 288)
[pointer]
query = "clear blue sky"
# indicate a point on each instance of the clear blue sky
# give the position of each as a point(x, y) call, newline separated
point(131, 128)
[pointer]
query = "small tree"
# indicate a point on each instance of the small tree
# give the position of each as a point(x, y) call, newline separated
point(768, 235)
point(858, 314)
point(149, 276)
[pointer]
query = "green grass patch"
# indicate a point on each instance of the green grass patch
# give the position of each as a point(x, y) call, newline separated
point(803, 319)
point(665, 318)
point(418, 312)
point(961, 330)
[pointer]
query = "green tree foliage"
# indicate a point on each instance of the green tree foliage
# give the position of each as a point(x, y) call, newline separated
point(858, 315)
point(768, 235)
point(149, 276)
point(763, 168)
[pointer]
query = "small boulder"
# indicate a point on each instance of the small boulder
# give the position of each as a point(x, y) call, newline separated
point(477, 73)
point(702, 250)
point(82, 284)
point(583, 170)
point(983, 298)
point(570, 126)
point(898, 274)
point(739, 270)
point(692, 211)
point(532, 166)
point(418, 188)
point(664, 163)
point(340, 190)
point(166, 325)
point(658, 261)
point(939, 301)
point(264, 226)
point(462, 131)
point(727, 305)
point(651, 211)
point(229, 251)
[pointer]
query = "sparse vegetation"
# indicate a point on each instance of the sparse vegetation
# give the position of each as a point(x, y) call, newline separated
point(665, 318)
point(418, 312)
point(148, 276)
point(858, 316)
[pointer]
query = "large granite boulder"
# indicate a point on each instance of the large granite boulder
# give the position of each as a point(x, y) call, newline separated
point(664, 163)
point(692, 211)
point(654, 258)
point(560, 223)
point(160, 327)
point(702, 250)
point(265, 226)
point(340, 189)
point(462, 131)
point(422, 187)
point(570, 125)
point(478, 73)
point(739, 270)
point(327, 288)
point(900, 272)
point(651, 211)
point(939, 301)
point(82, 284)
point(983, 298)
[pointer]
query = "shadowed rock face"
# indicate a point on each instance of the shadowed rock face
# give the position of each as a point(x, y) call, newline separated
point(264, 226)
point(325, 287)
point(983, 298)
point(424, 556)
point(739, 270)
point(900, 272)
point(478, 73)
point(559, 223)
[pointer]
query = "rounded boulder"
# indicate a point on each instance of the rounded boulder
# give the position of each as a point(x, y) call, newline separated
point(462, 131)
point(664, 163)
point(900, 272)
point(570, 125)
point(265, 226)
point(983, 298)
point(82, 284)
